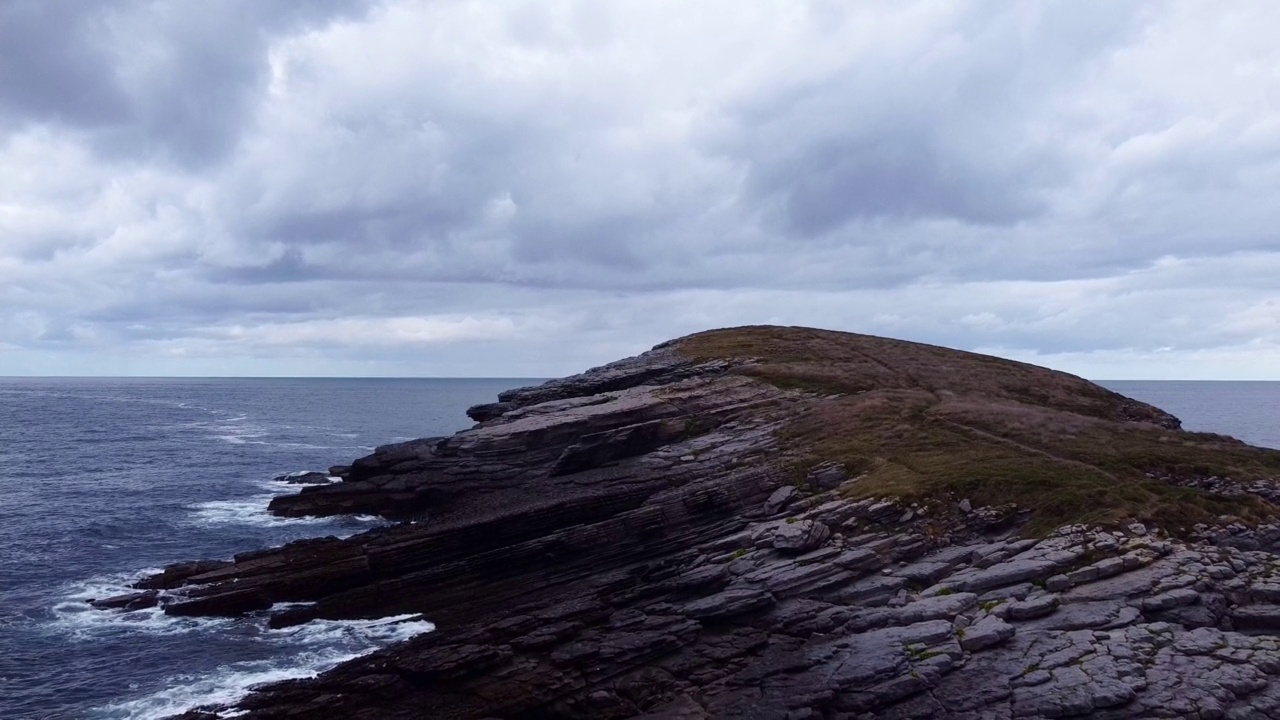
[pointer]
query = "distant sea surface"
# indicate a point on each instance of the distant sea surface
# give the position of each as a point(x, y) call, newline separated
point(1249, 411)
point(102, 480)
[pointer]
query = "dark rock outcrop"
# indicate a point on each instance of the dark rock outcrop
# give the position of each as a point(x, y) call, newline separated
point(784, 523)
point(128, 601)
point(304, 478)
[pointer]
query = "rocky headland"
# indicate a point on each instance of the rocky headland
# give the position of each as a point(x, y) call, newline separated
point(786, 523)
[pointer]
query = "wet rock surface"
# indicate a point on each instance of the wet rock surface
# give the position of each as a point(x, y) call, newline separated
point(305, 477)
point(635, 542)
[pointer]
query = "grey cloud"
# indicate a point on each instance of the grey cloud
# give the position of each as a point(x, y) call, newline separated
point(55, 65)
point(893, 175)
point(416, 217)
point(902, 134)
point(457, 185)
point(148, 79)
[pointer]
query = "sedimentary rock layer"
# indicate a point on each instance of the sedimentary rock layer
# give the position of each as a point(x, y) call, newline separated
point(783, 523)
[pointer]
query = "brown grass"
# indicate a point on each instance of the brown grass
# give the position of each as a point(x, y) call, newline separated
point(927, 423)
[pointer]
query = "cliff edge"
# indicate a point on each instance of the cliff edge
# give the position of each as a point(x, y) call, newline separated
point(771, 522)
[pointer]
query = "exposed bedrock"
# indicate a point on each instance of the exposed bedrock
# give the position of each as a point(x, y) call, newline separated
point(786, 523)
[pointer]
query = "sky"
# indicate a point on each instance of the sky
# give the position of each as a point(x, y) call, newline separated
point(528, 189)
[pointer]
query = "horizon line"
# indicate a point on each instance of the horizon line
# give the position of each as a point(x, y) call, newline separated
point(482, 377)
point(269, 377)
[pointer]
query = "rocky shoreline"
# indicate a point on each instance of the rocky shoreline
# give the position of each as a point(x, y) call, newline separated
point(667, 537)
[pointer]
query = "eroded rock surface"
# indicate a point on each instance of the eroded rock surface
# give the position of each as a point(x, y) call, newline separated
point(1139, 627)
point(641, 541)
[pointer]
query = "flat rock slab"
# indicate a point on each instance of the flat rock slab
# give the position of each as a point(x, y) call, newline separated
point(780, 499)
point(985, 633)
point(728, 604)
point(1006, 573)
point(128, 601)
point(1031, 608)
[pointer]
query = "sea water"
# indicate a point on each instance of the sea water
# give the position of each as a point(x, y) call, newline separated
point(105, 480)
point(1248, 410)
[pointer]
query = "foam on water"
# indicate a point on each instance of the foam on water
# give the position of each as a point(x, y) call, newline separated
point(280, 484)
point(245, 511)
point(370, 634)
point(77, 620)
point(242, 429)
point(309, 446)
point(309, 649)
point(236, 430)
point(250, 439)
point(325, 643)
point(276, 607)
point(253, 511)
point(151, 484)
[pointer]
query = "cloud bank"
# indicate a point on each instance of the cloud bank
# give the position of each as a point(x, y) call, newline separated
point(526, 189)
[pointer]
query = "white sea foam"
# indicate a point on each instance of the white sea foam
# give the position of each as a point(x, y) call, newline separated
point(238, 434)
point(277, 607)
point(282, 487)
point(233, 430)
point(309, 446)
point(248, 439)
point(236, 431)
point(244, 511)
point(190, 406)
point(107, 585)
point(76, 619)
point(327, 643)
point(366, 634)
point(252, 510)
point(307, 649)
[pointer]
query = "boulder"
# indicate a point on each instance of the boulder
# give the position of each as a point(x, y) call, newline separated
point(780, 499)
point(128, 601)
point(307, 477)
point(800, 536)
point(985, 633)
point(827, 476)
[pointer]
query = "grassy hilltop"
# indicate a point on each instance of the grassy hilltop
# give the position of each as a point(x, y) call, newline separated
point(930, 424)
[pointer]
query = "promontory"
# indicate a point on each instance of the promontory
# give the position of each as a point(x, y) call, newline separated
point(777, 522)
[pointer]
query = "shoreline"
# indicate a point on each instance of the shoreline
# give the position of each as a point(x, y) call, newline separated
point(636, 541)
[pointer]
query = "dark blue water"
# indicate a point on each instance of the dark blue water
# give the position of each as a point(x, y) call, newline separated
point(101, 479)
point(1249, 411)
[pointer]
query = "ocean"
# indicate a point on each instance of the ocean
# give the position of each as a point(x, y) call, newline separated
point(1246, 410)
point(103, 480)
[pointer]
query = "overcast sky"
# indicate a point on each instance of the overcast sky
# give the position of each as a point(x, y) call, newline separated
point(439, 188)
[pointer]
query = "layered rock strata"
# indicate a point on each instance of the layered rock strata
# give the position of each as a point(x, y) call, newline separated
point(652, 539)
